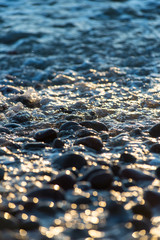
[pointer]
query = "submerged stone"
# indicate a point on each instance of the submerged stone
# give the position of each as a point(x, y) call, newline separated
point(69, 160)
point(46, 135)
point(66, 180)
point(136, 175)
point(91, 142)
point(155, 148)
point(155, 131)
point(98, 126)
point(127, 158)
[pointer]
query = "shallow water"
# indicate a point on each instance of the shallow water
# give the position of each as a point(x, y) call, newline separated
point(75, 61)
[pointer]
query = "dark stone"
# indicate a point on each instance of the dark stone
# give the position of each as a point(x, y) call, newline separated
point(70, 126)
point(157, 172)
point(47, 194)
point(155, 131)
point(5, 130)
point(115, 169)
point(143, 210)
point(46, 135)
point(10, 224)
point(34, 146)
point(127, 157)
point(98, 126)
point(101, 180)
point(22, 117)
point(85, 133)
point(136, 132)
point(155, 148)
point(65, 179)
point(69, 160)
point(89, 171)
point(139, 225)
point(12, 125)
point(57, 143)
point(29, 225)
point(152, 197)
point(82, 200)
point(9, 89)
point(91, 142)
point(136, 175)
point(2, 172)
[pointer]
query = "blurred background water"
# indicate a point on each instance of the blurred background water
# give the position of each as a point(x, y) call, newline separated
point(40, 37)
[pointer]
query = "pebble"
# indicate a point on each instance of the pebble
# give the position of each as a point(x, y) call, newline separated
point(21, 117)
point(70, 126)
point(157, 172)
point(91, 142)
point(152, 198)
point(127, 158)
point(29, 225)
point(69, 160)
point(2, 173)
point(98, 126)
point(9, 89)
point(155, 148)
point(46, 135)
point(51, 194)
point(10, 223)
point(4, 130)
point(12, 125)
point(139, 225)
point(101, 180)
point(136, 175)
point(58, 143)
point(85, 133)
point(155, 131)
point(142, 209)
point(81, 200)
point(34, 146)
point(65, 179)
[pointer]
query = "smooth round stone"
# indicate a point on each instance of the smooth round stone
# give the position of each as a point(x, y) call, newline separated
point(2, 172)
point(34, 146)
point(155, 148)
point(70, 126)
point(69, 160)
point(127, 158)
point(4, 130)
point(28, 102)
point(98, 126)
point(91, 142)
point(58, 143)
point(66, 180)
point(10, 224)
point(101, 180)
point(89, 171)
point(155, 131)
point(115, 169)
point(46, 135)
point(143, 210)
point(22, 117)
point(82, 200)
point(29, 225)
point(136, 175)
point(157, 172)
point(139, 225)
point(9, 89)
point(47, 194)
point(12, 125)
point(85, 133)
point(152, 197)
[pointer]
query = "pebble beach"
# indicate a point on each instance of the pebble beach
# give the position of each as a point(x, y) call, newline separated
point(79, 120)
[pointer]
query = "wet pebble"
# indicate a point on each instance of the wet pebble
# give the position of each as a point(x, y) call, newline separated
point(69, 160)
point(139, 225)
point(142, 209)
point(58, 143)
point(10, 89)
point(34, 146)
point(155, 131)
point(81, 200)
point(157, 172)
point(4, 130)
point(46, 135)
point(2, 173)
point(29, 225)
point(152, 197)
point(70, 126)
point(91, 142)
point(136, 175)
point(53, 194)
point(12, 125)
point(98, 126)
point(65, 179)
point(85, 133)
point(127, 158)
point(9, 223)
point(21, 117)
point(155, 148)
